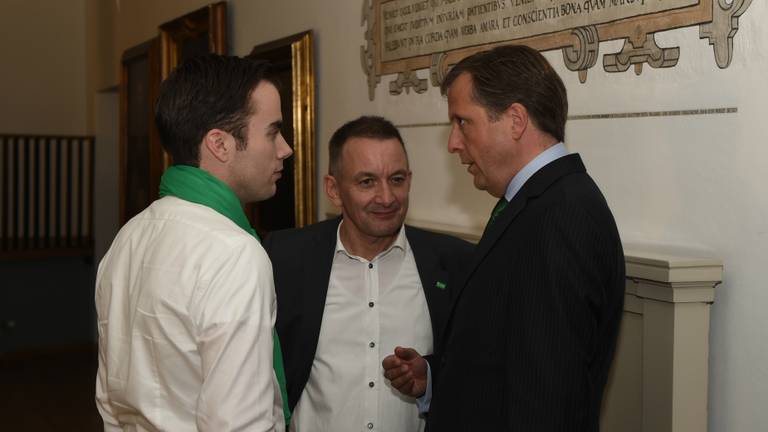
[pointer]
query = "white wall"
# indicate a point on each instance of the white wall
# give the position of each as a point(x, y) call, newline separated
point(700, 181)
point(42, 53)
point(687, 180)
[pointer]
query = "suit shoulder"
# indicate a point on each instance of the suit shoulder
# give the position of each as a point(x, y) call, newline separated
point(441, 241)
point(290, 239)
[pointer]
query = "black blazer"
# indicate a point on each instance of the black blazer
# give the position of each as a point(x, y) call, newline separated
point(301, 261)
point(532, 332)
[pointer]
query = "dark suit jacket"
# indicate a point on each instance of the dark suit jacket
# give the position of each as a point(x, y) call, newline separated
point(302, 259)
point(533, 329)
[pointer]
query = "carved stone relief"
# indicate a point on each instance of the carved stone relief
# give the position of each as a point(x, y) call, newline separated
point(404, 36)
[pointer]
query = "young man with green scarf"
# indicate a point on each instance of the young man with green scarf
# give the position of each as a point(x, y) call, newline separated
point(185, 296)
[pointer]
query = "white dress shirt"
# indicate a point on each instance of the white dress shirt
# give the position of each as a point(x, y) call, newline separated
point(371, 307)
point(543, 159)
point(186, 306)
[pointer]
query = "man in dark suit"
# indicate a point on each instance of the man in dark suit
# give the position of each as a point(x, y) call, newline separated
point(352, 288)
point(533, 329)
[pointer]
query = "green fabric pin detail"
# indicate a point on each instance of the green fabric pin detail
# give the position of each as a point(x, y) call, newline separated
point(440, 285)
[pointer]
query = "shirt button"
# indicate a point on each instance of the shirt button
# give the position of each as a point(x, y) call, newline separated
point(370, 266)
point(370, 304)
point(370, 384)
point(370, 425)
point(372, 344)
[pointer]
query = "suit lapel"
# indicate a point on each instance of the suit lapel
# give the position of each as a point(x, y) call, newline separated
point(315, 283)
point(490, 237)
point(426, 262)
point(430, 274)
point(535, 186)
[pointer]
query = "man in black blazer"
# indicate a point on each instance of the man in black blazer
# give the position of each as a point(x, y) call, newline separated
point(351, 288)
point(533, 329)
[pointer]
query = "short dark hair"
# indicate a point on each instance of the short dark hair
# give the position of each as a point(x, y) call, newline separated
point(363, 127)
point(204, 93)
point(516, 73)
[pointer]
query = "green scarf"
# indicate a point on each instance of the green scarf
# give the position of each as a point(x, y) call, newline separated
point(197, 186)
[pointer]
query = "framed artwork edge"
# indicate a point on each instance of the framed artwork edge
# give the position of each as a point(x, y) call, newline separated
point(579, 43)
point(303, 89)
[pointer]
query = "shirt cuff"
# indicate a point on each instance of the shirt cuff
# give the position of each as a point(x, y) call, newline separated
point(426, 399)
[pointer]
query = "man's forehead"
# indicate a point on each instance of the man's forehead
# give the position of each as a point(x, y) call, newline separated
point(360, 152)
point(456, 93)
point(265, 86)
point(463, 81)
point(369, 145)
point(264, 96)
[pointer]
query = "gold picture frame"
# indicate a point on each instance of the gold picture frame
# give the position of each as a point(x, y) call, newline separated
point(197, 33)
point(143, 67)
point(297, 52)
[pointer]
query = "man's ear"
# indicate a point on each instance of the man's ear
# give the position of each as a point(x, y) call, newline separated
point(517, 116)
point(218, 144)
point(332, 190)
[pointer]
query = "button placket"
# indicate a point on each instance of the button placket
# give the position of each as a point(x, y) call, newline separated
point(372, 362)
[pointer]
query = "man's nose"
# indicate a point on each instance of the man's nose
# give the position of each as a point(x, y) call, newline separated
point(385, 195)
point(454, 140)
point(283, 149)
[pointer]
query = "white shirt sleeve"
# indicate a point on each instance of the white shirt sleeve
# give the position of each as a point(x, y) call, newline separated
point(111, 423)
point(102, 399)
point(425, 400)
point(235, 315)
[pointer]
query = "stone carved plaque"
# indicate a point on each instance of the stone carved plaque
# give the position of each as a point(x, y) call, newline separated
point(404, 36)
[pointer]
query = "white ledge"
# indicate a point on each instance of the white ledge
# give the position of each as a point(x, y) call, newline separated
point(673, 273)
point(671, 265)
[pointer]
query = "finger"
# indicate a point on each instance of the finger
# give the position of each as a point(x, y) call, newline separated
point(395, 373)
point(406, 353)
point(405, 380)
point(391, 361)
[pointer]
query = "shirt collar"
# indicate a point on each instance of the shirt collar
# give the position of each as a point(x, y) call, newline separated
point(547, 156)
point(400, 242)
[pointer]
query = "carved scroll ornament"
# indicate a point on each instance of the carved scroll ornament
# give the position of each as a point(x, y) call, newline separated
point(405, 36)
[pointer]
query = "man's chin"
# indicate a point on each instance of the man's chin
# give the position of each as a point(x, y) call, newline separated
point(480, 184)
point(389, 229)
point(263, 195)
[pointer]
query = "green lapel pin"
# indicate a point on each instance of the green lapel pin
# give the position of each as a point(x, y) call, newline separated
point(440, 285)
